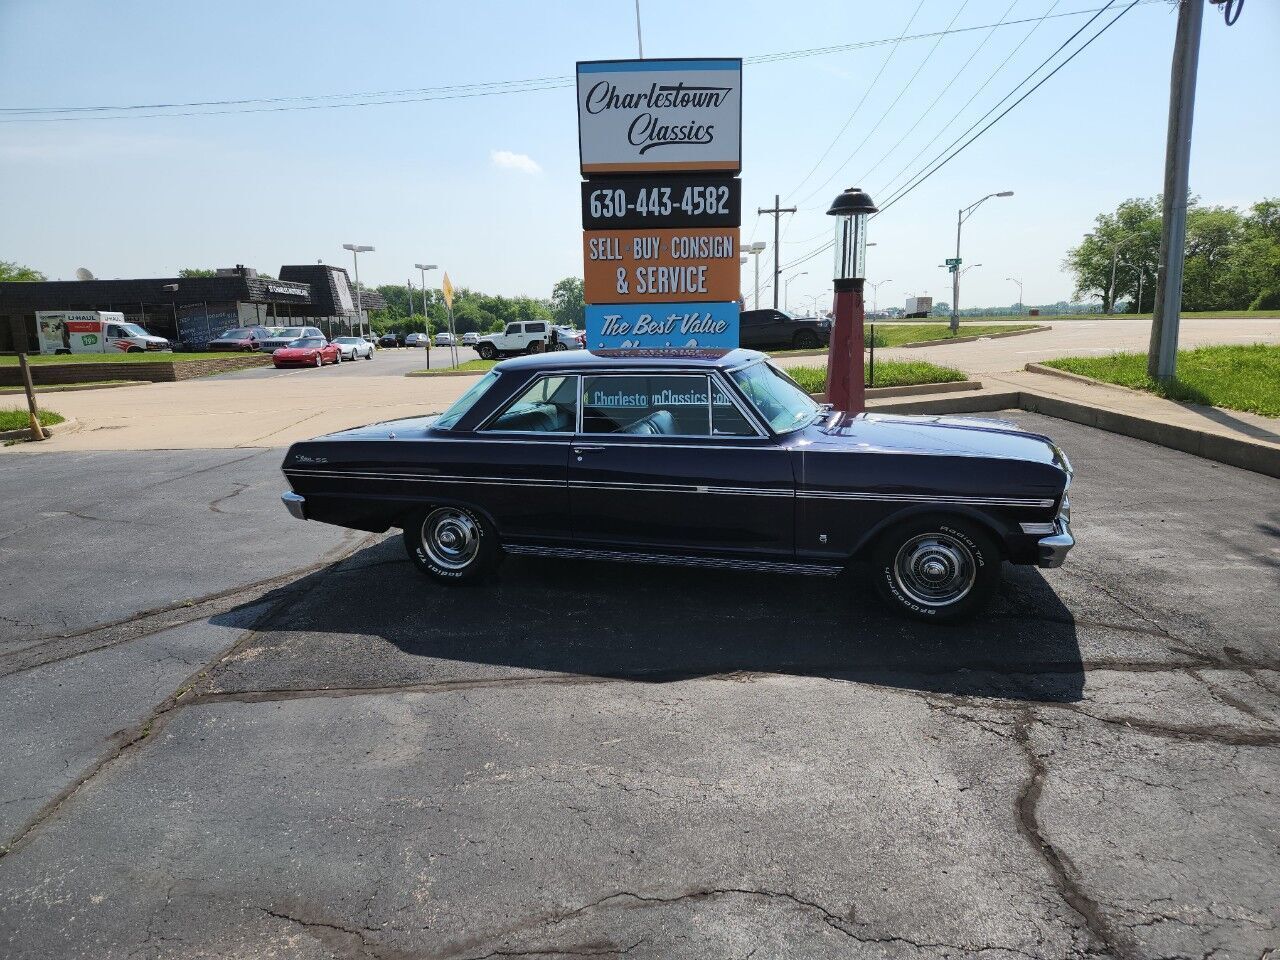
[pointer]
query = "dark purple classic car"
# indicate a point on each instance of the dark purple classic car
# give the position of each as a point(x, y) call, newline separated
point(716, 459)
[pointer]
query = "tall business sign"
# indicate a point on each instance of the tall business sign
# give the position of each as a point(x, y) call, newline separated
point(661, 147)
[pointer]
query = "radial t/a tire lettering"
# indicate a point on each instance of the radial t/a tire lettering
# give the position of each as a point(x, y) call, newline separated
point(936, 568)
point(453, 545)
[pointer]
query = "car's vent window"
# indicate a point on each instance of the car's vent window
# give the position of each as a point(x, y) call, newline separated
point(646, 405)
point(726, 419)
point(549, 406)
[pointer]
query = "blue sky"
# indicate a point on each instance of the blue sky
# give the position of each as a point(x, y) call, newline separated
point(487, 186)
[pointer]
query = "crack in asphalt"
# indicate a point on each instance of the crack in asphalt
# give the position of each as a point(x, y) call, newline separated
point(124, 740)
point(1065, 875)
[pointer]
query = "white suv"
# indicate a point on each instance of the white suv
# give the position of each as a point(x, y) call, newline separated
point(528, 337)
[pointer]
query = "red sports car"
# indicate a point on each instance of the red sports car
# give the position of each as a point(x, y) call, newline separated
point(307, 352)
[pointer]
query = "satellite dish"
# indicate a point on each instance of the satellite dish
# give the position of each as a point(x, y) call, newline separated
point(83, 273)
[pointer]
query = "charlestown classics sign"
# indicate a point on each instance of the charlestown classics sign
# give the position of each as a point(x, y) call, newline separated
point(637, 116)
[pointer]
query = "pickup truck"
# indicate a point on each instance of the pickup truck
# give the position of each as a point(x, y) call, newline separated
point(526, 337)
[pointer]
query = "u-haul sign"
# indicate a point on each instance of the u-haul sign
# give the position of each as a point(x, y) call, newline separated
point(660, 115)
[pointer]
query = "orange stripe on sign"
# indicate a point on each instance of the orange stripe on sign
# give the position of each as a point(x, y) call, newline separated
point(661, 265)
point(664, 167)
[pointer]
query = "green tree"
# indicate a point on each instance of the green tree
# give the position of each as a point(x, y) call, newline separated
point(567, 303)
point(1251, 271)
point(11, 271)
point(1129, 238)
point(189, 273)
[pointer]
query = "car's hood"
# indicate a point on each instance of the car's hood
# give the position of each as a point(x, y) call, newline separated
point(297, 351)
point(940, 436)
point(406, 427)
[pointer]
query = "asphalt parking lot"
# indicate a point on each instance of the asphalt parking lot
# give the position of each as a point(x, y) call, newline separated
point(229, 734)
point(388, 362)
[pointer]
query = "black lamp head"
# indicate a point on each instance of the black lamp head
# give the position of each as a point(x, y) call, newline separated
point(851, 201)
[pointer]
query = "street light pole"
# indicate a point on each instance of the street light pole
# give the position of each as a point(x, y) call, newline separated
point(875, 294)
point(1019, 283)
point(755, 250)
point(357, 249)
point(961, 216)
point(786, 289)
point(423, 268)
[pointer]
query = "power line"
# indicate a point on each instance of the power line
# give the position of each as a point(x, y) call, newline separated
point(887, 110)
point(921, 179)
point(47, 114)
point(865, 94)
point(935, 166)
point(959, 113)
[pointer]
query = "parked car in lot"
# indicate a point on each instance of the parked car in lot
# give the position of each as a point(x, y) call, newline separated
point(370, 338)
point(567, 338)
point(444, 339)
point(283, 336)
point(470, 338)
point(307, 352)
point(417, 340)
point(717, 459)
point(765, 329)
point(388, 340)
point(526, 337)
point(241, 339)
point(353, 348)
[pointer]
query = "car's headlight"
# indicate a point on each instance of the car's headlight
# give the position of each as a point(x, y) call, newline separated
point(1064, 511)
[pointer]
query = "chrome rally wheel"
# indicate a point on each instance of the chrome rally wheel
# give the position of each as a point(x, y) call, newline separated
point(934, 569)
point(451, 544)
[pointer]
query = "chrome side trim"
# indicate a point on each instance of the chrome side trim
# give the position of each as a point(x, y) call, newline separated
point(417, 478)
point(667, 559)
point(921, 498)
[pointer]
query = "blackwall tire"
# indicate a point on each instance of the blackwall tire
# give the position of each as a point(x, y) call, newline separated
point(936, 569)
point(453, 545)
point(486, 351)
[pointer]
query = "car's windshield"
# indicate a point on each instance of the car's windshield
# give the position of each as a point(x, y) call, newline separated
point(307, 342)
point(348, 340)
point(237, 334)
point(289, 332)
point(779, 399)
point(466, 401)
point(133, 330)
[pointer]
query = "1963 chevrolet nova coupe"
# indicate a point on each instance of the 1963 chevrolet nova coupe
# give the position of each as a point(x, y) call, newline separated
point(713, 459)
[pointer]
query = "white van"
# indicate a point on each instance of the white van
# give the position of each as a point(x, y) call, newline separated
point(93, 331)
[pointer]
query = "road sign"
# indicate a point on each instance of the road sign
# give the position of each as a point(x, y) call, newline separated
point(953, 261)
point(678, 200)
point(637, 116)
point(662, 326)
point(660, 266)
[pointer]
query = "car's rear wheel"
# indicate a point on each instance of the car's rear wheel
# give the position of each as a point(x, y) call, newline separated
point(805, 340)
point(561, 345)
point(451, 544)
point(536, 346)
point(936, 568)
point(487, 351)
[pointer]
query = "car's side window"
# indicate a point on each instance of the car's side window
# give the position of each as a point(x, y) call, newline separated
point(512, 328)
point(550, 405)
point(535, 328)
point(647, 405)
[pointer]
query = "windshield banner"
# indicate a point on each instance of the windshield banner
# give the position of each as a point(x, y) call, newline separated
point(659, 326)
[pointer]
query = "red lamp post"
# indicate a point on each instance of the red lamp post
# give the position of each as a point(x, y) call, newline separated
point(846, 384)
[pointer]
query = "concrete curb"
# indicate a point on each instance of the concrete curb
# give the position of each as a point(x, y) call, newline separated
point(74, 387)
point(1068, 375)
point(422, 374)
point(919, 389)
point(985, 336)
point(25, 432)
point(1245, 454)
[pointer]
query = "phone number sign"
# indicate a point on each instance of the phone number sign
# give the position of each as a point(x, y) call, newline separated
point(620, 203)
point(660, 266)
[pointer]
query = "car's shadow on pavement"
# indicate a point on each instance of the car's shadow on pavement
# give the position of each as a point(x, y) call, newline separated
point(657, 624)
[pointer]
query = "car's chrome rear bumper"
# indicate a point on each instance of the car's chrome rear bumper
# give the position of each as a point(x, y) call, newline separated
point(296, 504)
point(1053, 549)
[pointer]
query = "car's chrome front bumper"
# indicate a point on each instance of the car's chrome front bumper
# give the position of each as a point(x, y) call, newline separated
point(1052, 550)
point(297, 505)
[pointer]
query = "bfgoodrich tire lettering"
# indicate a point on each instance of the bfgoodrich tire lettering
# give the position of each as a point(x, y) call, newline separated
point(936, 568)
point(450, 544)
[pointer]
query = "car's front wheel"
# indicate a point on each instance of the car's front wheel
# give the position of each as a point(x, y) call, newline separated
point(487, 351)
point(451, 544)
point(936, 568)
point(319, 360)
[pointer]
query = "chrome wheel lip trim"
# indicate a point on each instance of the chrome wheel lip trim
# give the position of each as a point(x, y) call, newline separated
point(931, 548)
point(456, 526)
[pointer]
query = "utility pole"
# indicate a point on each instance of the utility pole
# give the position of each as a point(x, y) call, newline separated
point(1162, 354)
point(777, 211)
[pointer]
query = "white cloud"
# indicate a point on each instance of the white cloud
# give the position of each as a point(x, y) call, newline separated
point(514, 161)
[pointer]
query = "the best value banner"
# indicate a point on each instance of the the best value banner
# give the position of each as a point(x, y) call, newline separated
point(672, 326)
